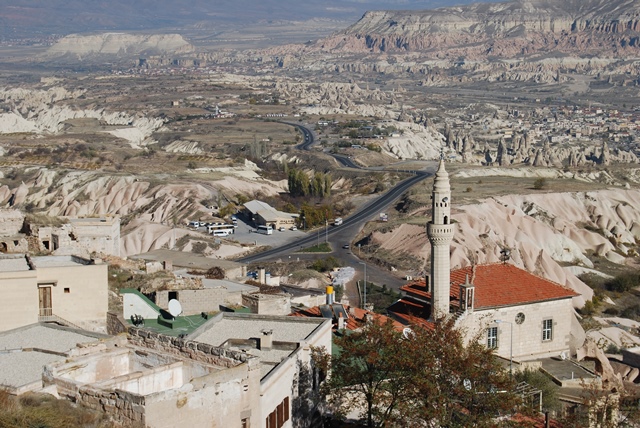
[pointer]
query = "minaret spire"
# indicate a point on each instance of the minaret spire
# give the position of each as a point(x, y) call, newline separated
point(440, 233)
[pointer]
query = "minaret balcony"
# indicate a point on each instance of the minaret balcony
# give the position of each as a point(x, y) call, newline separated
point(440, 233)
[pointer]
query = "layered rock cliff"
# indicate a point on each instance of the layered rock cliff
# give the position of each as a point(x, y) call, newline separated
point(499, 29)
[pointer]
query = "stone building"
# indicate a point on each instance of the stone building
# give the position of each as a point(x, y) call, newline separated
point(66, 289)
point(159, 381)
point(80, 236)
point(264, 214)
point(520, 315)
point(288, 383)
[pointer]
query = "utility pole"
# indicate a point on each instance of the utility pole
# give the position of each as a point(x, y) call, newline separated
point(364, 305)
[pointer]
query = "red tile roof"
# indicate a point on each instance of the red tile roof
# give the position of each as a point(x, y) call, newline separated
point(355, 320)
point(411, 312)
point(497, 285)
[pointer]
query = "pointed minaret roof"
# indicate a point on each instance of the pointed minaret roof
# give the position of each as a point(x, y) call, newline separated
point(441, 182)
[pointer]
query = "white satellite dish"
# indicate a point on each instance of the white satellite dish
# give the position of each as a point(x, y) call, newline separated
point(407, 333)
point(467, 384)
point(175, 308)
point(563, 355)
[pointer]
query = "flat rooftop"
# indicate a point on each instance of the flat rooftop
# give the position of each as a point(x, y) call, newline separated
point(14, 263)
point(227, 326)
point(185, 260)
point(21, 351)
point(565, 370)
point(242, 332)
point(59, 261)
point(231, 286)
point(41, 336)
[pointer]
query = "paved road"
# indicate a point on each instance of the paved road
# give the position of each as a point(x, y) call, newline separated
point(337, 236)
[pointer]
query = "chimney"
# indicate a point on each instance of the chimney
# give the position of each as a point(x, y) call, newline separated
point(426, 283)
point(329, 292)
point(340, 322)
point(262, 276)
point(266, 340)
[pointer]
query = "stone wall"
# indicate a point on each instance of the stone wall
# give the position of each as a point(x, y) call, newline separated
point(201, 300)
point(116, 324)
point(188, 349)
point(268, 304)
point(11, 222)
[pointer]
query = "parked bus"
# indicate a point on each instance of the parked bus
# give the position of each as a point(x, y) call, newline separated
point(221, 229)
point(265, 230)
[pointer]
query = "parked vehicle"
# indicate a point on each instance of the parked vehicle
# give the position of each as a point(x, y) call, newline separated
point(221, 227)
point(195, 224)
point(265, 230)
point(282, 229)
point(294, 228)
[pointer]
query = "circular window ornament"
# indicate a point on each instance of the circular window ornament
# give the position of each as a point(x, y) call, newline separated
point(519, 318)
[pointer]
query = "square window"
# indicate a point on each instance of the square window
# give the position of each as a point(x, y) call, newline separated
point(66, 290)
point(492, 337)
point(547, 330)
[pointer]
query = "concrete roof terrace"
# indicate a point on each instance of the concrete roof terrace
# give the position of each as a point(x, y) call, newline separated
point(26, 350)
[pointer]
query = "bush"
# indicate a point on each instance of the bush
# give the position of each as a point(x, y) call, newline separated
point(588, 309)
point(540, 183)
point(325, 265)
point(612, 311)
point(198, 247)
point(623, 282)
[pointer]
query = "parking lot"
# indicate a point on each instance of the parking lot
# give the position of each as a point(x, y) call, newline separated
point(246, 234)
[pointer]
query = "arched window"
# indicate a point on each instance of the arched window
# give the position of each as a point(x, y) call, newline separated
point(446, 220)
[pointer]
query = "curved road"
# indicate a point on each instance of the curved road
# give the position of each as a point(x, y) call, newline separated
point(366, 212)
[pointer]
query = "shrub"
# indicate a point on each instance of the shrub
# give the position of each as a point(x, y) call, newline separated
point(623, 282)
point(540, 183)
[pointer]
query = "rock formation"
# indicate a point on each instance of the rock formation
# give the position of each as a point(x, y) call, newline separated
point(120, 45)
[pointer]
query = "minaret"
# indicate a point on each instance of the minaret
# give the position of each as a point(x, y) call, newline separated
point(440, 232)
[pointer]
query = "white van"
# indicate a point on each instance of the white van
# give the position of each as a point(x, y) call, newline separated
point(220, 233)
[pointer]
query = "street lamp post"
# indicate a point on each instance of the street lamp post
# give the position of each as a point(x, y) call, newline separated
point(511, 343)
point(365, 284)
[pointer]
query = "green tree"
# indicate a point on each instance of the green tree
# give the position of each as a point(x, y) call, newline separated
point(366, 374)
point(454, 384)
point(427, 378)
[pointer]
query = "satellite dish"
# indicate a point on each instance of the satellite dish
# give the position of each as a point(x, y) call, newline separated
point(563, 355)
point(175, 308)
point(407, 333)
point(467, 384)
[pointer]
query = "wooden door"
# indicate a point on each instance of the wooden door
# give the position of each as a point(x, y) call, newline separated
point(44, 294)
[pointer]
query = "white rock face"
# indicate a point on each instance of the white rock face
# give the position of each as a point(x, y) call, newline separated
point(416, 142)
point(35, 111)
point(119, 44)
point(90, 193)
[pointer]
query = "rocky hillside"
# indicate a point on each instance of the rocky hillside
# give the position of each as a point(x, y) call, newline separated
point(119, 44)
point(505, 30)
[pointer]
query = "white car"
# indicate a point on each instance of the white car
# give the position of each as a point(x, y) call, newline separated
point(282, 229)
point(294, 228)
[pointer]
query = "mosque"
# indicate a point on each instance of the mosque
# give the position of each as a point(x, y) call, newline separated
point(520, 315)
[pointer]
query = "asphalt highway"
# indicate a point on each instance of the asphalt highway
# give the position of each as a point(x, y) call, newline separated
point(343, 234)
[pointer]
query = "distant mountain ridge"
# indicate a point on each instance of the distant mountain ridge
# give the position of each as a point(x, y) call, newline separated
point(501, 29)
point(28, 18)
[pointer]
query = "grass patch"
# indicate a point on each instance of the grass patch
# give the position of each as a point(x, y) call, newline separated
point(322, 248)
point(43, 410)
